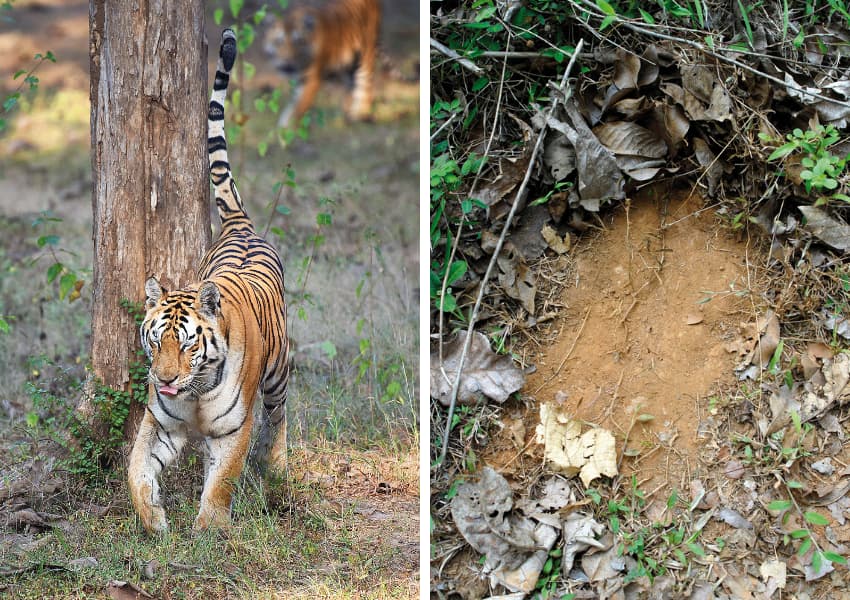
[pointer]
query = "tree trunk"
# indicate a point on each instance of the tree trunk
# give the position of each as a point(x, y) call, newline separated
point(150, 182)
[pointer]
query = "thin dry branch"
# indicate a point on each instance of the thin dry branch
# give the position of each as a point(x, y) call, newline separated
point(464, 62)
point(519, 195)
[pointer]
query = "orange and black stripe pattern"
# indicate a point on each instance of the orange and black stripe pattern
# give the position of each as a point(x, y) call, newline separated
point(215, 346)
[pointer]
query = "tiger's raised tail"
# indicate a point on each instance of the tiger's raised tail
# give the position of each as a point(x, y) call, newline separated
point(230, 208)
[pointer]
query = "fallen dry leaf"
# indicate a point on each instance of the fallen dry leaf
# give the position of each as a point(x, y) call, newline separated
point(580, 532)
point(733, 518)
point(829, 230)
point(734, 469)
point(485, 373)
point(774, 575)
point(626, 137)
point(516, 547)
point(599, 178)
point(516, 277)
point(694, 319)
point(525, 238)
point(86, 562)
point(712, 166)
point(590, 454)
point(560, 245)
point(124, 590)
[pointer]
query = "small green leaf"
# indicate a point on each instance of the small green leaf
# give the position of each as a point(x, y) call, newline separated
point(779, 505)
point(606, 22)
point(262, 148)
point(648, 18)
point(795, 485)
point(457, 270)
point(804, 547)
point(47, 240)
point(696, 548)
point(10, 102)
point(783, 151)
point(329, 349)
point(606, 8)
point(53, 271)
point(250, 69)
point(448, 303)
point(815, 518)
point(284, 210)
point(323, 219)
point(480, 84)
point(235, 7)
point(66, 282)
point(260, 14)
point(836, 558)
point(799, 534)
point(4, 326)
point(32, 419)
point(18, 73)
point(218, 15)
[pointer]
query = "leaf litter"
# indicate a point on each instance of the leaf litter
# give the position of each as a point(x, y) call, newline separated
point(774, 435)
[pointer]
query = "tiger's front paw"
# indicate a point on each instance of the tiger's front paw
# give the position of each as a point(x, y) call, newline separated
point(153, 519)
point(212, 517)
point(150, 513)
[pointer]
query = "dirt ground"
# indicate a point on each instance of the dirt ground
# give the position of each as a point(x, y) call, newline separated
point(355, 454)
point(645, 343)
point(657, 297)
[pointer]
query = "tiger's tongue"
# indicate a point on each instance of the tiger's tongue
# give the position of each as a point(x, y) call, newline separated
point(168, 390)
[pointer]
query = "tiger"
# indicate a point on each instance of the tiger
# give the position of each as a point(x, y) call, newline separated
point(310, 41)
point(214, 346)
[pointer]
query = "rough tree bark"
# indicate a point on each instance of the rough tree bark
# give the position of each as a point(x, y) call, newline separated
point(149, 166)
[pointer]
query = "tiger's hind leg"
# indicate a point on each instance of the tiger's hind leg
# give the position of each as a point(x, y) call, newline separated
point(364, 81)
point(270, 449)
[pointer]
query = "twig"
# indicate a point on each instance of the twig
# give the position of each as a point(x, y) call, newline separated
point(274, 208)
point(705, 50)
point(443, 126)
point(472, 190)
point(464, 62)
point(568, 354)
point(519, 195)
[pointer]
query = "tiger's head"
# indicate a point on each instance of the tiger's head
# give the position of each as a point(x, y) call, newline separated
point(289, 41)
point(183, 338)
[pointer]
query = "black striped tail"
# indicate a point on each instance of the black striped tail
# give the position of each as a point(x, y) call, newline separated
point(230, 208)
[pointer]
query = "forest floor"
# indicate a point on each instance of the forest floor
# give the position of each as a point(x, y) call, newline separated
point(648, 296)
point(344, 523)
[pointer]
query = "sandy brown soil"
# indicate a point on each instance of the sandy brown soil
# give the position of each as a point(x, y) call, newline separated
point(654, 300)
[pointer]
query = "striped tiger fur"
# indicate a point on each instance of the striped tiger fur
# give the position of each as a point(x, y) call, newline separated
point(311, 40)
point(214, 346)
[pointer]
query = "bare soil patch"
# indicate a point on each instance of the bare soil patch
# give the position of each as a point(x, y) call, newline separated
point(656, 297)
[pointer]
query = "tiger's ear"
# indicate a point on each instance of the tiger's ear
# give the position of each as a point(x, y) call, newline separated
point(209, 299)
point(154, 292)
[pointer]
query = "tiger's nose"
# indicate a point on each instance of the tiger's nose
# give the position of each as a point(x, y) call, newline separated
point(161, 380)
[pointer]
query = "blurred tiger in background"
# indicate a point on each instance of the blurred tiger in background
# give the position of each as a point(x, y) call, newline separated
point(214, 347)
point(311, 40)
